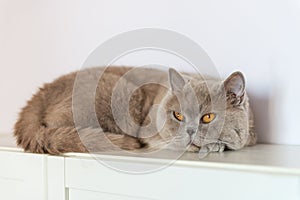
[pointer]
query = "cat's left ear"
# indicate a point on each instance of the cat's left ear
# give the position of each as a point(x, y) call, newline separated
point(235, 88)
point(177, 82)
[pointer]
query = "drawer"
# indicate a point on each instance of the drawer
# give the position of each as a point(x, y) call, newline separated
point(177, 182)
point(22, 176)
point(75, 194)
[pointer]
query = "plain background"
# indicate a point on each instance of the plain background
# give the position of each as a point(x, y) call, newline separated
point(43, 39)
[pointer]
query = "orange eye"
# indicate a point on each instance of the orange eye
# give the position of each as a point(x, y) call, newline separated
point(207, 118)
point(178, 116)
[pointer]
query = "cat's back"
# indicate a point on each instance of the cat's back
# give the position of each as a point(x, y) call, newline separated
point(54, 100)
point(77, 90)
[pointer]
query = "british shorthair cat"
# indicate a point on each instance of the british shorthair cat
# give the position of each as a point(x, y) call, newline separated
point(191, 111)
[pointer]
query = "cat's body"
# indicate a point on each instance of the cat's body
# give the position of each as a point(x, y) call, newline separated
point(52, 118)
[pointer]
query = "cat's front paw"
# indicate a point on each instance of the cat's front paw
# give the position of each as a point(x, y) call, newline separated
point(193, 148)
point(124, 142)
point(131, 143)
point(212, 148)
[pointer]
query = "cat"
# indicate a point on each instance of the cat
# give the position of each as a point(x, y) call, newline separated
point(172, 110)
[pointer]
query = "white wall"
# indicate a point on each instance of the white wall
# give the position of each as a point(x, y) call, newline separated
point(42, 39)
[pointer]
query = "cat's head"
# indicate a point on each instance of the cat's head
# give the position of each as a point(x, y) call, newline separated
point(199, 111)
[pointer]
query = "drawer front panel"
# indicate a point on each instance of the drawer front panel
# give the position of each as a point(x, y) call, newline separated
point(75, 194)
point(178, 182)
point(22, 176)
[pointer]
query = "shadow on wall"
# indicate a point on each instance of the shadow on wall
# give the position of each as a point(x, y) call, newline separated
point(260, 105)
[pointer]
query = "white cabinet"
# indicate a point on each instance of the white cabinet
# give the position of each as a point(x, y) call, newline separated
point(177, 183)
point(31, 176)
point(231, 175)
point(22, 176)
point(76, 194)
point(56, 189)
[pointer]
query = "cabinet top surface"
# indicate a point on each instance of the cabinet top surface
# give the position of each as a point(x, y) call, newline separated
point(261, 157)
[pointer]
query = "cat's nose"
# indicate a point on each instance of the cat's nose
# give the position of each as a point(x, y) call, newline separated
point(190, 131)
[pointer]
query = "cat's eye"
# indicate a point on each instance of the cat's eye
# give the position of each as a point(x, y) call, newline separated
point(207, 118)
point(178, 116)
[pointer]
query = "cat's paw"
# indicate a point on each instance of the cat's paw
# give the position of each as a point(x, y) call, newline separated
point(124, 142)
point(193, 148)
point(131, 143)
point(212, 148)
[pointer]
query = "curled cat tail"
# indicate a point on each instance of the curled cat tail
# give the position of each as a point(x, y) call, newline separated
point(33, 135)
point(66, 139)
point(49, 140)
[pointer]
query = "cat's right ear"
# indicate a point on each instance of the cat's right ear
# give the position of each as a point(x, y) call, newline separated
point(177, 82)
point(235, 88)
